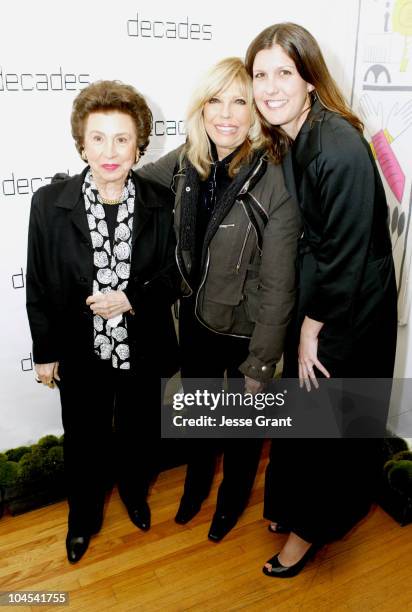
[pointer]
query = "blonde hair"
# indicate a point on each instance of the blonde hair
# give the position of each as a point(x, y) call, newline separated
point(218, 78)
point(303, 49)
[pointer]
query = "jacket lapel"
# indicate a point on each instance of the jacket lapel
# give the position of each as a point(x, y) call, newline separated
point(145, 202)
point(289, 175)
point(71, 199)
point(308, 142)
point(243, 182)
point(79, 219)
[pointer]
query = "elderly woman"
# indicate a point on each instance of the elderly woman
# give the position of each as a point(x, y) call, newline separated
point(100, 282)
point(237, 233)
point(345, 324)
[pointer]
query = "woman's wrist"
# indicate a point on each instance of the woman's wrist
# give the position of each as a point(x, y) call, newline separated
point(311, 328)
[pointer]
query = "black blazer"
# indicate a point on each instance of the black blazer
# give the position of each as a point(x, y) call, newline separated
point(60, 277)
point(346, 272)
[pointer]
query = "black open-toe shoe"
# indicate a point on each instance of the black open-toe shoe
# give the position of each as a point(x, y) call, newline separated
point(280, 571)
point(278, 529)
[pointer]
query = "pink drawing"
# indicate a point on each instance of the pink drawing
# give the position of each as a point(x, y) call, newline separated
point(398, 121)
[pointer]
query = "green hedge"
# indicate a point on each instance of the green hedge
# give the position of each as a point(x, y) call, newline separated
point(25, 464)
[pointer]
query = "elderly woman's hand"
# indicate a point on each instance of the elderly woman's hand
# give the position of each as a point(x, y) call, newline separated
point(109, 305)
point(47, 373)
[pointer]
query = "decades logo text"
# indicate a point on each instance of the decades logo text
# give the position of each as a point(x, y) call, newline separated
point(42, 81)
point(169, 127)
point(184, 29)
point(14, 185)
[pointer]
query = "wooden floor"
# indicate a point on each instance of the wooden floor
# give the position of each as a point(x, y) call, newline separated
point(176, 568)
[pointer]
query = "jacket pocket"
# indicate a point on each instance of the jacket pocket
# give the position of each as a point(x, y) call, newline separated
point(217, 316)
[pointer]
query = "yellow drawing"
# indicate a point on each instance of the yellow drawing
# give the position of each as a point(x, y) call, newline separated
point(402, 23)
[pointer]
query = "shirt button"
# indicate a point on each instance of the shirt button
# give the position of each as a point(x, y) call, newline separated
point(264, 368)
point(187, 188)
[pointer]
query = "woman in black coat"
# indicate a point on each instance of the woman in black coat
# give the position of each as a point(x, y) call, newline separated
point(346, 317)
point(101, 279)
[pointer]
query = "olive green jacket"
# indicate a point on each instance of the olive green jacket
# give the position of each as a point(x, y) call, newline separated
point(244, 291)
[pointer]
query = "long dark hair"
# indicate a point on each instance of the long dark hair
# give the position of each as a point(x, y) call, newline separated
point(303, 49)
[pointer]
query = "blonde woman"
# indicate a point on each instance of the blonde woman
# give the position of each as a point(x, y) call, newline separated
point(237, 231)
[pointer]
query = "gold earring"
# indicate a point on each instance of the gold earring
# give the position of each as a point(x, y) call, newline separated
point(84, 156)
point(137, 155)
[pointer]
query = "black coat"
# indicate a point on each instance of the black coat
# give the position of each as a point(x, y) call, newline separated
point(346, 272)
point(60, 277)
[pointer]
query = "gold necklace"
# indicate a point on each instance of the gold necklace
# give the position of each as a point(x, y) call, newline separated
point(111, 202)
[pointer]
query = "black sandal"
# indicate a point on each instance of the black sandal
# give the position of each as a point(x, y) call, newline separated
point(281, 571)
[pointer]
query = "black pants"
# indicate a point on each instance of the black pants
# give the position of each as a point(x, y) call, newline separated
point(320, 488)
point(111, 433)
point(206, 354)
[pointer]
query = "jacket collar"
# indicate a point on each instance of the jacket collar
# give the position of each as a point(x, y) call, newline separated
point(71, 195)
point(72, 191)
point(146, 200)
point(307, 144)
point(71, 198)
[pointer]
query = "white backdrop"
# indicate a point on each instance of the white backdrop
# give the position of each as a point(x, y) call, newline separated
point(48, 52)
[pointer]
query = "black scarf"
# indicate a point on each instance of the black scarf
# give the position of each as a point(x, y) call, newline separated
point(190, 203)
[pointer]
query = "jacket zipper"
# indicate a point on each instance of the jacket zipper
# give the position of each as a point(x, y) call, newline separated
point(243, 190)
point(260, 206)
point(203, 279)
point(254, 229)
point(246, 185)
point(243, 248)
point(180, 269)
